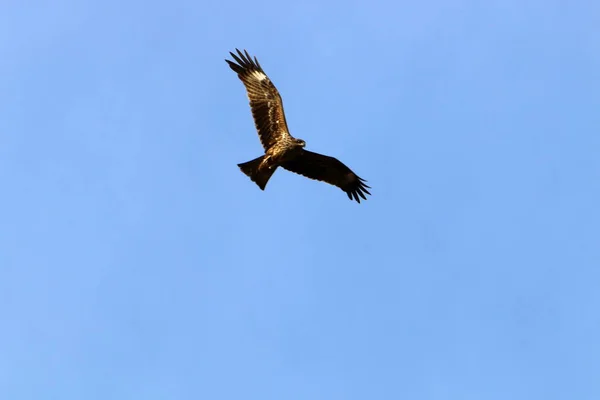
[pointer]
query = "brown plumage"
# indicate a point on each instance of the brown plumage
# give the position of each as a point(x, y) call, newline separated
point(281, 148)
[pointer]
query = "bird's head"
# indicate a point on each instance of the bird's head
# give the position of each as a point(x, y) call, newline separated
point(300, 142)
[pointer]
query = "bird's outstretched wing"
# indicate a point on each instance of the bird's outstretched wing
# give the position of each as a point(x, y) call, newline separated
point(330, 170)
point(265, 101)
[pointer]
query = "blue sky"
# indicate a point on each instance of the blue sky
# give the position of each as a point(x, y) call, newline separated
point(138, 262)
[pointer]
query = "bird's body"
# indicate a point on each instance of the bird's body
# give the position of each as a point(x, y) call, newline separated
point(281, 148)
point(284, 150)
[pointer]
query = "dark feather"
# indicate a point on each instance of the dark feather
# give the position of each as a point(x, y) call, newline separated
point(265, 101)
point(328, 169)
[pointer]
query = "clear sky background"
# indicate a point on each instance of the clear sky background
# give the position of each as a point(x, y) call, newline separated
point(138, 262)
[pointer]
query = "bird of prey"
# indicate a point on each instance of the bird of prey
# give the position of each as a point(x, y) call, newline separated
point(281, 148)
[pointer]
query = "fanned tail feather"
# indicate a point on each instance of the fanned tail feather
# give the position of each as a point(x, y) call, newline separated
point(259, 175)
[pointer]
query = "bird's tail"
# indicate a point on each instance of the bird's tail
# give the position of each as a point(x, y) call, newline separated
point(259, 174)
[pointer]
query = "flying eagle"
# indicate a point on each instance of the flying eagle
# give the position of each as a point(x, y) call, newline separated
point(281, 148)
